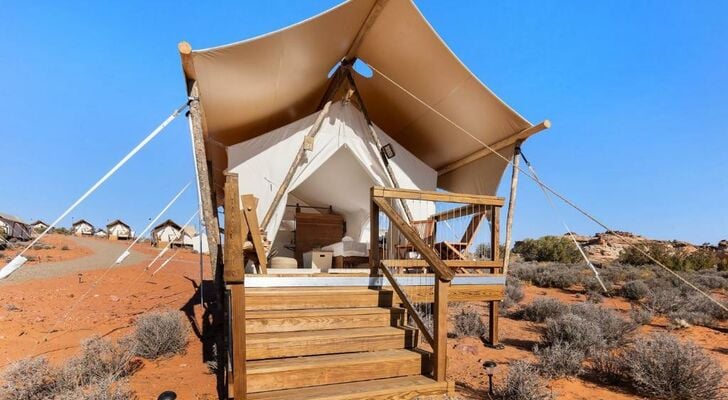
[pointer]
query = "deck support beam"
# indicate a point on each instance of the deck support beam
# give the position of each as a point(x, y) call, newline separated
point(512, 205)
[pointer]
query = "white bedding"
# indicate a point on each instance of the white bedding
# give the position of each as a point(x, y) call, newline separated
point(347, 247)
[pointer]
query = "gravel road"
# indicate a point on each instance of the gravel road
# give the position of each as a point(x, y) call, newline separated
point(103, 253)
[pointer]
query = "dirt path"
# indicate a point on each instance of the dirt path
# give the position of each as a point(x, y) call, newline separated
point(103, 253)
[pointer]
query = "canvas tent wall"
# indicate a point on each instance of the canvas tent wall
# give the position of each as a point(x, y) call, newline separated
point(14, 227)
point(82, 228)
point(118, 230)
point(254, 86)
point(343, 165)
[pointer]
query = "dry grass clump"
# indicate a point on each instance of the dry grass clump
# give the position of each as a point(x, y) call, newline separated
point(95, 374)
point(635, 290)
point(468, 323)
point(99, 359)
point(541, 309)
point(522, 383)
point(160, 334)
point(614, 330)
point(29, 379)
point(661, 367)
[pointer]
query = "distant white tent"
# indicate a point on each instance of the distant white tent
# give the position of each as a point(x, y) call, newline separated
point(339, 172)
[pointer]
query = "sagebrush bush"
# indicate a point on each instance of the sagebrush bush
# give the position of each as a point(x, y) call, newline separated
point(710, 281)
point(661, 367)
point(541, 309)
point(635, 290)
point(607, 367)
point(678, 260)
point(160, 334)
point(640, 316)
point(573, 330)
point(29, 379)
point(105, 389)
point(99, 359)
point(468, 323)
point(548, 248)
point(560, 359)
point(614, 330)
point(513, 293)
point(555, 278)
point(522, 383)
point(594, 297)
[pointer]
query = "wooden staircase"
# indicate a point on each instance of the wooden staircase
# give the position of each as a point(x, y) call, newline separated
point(331, 343)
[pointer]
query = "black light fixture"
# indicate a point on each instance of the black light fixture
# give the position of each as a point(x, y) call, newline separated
point(168, 395)
point(388, 151)
point(490, 370)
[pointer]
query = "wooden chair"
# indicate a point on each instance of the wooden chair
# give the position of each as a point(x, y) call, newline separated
point(426, 231)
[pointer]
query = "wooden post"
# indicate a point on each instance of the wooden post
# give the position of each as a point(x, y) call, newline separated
point(208, 213)
point(439, 324)
point(512, 205)
point(494, 312)
point(373, 233)
point(234, 273)
point(250, 204)
point(495, 233)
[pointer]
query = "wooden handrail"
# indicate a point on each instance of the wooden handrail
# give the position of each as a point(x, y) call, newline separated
point(411, 194)
point(234, 275)
point(441, 270)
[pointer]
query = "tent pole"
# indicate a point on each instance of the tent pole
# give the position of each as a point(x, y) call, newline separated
point(307, 141)
point(378, 143)
point(511, 206)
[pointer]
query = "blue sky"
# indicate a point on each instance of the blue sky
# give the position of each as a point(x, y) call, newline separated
point(635, 91)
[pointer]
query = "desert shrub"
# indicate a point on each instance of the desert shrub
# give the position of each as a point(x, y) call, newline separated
point(560, 359)
point(635, 290)
point(65, 248)
point(661, 367)
point(541, 309)
point(607, 367)
point(160, 334)
point(555, 278)
point(633, 255)
point(640, 316)
point(99, 359)
point(514, 292)
point(676, 260)
point(663, 298)
point(29, 379)
point(573, 330)
point(522, 383)
point(468, 323)
point(710, 281)
point(594, 297)
point(523, 271)
point(548, 248)
point(105, 389)
point(614, 330)
point(697, 310)
point(591, 284)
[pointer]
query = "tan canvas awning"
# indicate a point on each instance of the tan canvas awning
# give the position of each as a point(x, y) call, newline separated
point(251, 87)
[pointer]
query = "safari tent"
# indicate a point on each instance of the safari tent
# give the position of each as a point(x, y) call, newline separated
point(354, 134)
point(82, 228)
point(12, 227)
point(118, 230)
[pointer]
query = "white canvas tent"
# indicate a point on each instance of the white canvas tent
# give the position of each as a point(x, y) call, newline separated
point(340, 170)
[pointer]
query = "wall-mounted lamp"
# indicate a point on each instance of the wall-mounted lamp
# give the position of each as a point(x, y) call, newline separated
point(388, 151)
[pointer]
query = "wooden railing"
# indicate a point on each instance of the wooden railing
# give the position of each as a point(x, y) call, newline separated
point(430, 260)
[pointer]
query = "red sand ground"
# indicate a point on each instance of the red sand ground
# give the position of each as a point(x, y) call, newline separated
point(40, 326)
point(72, 252)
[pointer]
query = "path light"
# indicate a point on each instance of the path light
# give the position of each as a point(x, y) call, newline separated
point(490, 370)
point(168, 395)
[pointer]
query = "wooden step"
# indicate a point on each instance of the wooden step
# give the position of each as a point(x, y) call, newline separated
point(409, 387)
point(327, 341)
point(315, 297)
point(291, 373)
point(263, 321)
